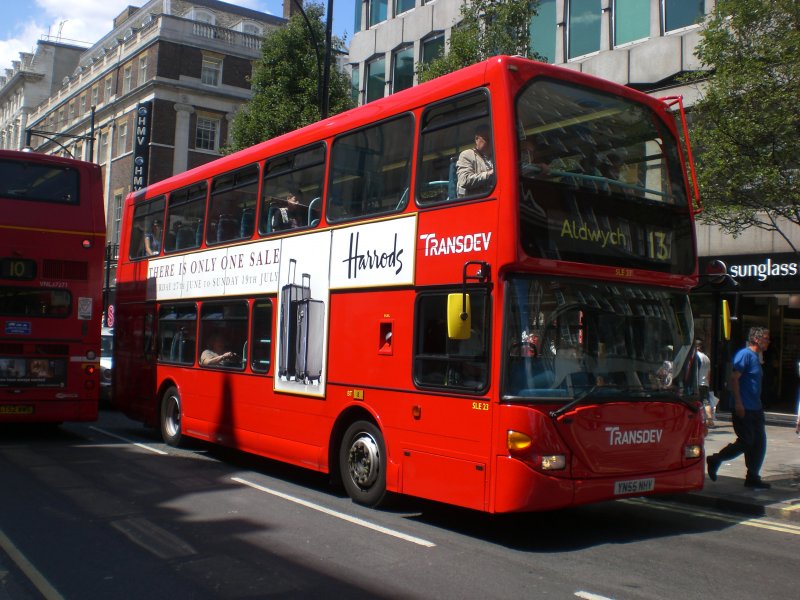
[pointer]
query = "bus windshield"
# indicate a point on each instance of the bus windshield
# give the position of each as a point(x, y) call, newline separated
point(566, 338)
point(600, 177)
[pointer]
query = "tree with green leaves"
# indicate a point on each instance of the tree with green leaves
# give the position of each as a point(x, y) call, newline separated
point(287, 82)
point(487, 28)
point(747, 125)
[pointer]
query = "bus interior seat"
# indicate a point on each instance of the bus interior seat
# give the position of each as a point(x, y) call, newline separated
point(227, 227)
point(184, 238)
point(246, 223)
point(452, 180)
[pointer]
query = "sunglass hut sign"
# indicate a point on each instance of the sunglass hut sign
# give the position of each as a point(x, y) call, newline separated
point(765, 272)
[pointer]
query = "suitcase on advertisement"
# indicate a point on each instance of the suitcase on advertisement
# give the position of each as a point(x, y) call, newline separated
point(291, 294)
point(310, 324)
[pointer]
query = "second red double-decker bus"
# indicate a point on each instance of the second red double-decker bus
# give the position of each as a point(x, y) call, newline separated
point(473, 291)
point(52, 234)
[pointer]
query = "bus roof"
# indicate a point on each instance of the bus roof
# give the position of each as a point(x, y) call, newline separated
point(460, 81)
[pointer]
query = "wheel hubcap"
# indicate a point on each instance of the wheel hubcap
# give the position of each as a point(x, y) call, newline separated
point(364, 460)
point(173, 419)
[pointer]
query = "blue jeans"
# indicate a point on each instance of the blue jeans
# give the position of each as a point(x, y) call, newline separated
point(751, 440)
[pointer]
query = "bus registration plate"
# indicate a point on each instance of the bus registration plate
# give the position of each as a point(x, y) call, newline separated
point(634, 486)
point(16, 409)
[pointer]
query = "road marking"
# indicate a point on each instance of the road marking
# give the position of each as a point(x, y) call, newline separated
point(32, 573)
point(749, 522)
point(338, 515)
point(124, 439)
point(590, 596)
point(153, 538)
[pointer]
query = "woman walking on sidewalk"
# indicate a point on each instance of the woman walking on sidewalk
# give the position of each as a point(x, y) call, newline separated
point(748, 413)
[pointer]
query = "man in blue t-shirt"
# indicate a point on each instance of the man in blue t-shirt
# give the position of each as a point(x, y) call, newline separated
point(748, 414)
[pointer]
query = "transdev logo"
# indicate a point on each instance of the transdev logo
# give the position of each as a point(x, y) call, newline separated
point(618, 437)
point(456, 244)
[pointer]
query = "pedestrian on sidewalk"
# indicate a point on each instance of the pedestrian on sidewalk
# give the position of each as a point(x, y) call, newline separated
point(748, 413)
point(703, 372)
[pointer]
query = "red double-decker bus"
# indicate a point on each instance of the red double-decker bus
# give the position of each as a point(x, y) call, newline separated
point(472, 291)
point(52, 234)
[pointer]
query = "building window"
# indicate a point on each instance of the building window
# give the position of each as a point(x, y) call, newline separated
point(251, 28)
point(357, 22)
point(432, 48)
point(207, 134)
point(403, 69)
point(122, 139)
point(542, 31)
point(202, 16)
point(401, 6)
point(211, 72)
point(355, 90)
point(109, 91)
point(127, 76)
point(71, 110)
point(631, 21)
point(204, 23)
point(117, 218)
point(377, 11)
point(103, 156)
point(142, 69)
point(376, 79)
point(682, 13)
point(81, 105)
point(583, 27)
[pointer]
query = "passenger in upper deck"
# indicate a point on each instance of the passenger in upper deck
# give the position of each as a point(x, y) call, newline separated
point(475, 166)
point(152, 239)
point(291, 216)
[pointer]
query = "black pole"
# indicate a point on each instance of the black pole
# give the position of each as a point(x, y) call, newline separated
point(91, 136)
point(326, 76)
point(314, 39)
point(107, 285)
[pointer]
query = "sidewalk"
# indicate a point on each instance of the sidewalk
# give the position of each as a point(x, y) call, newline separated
point(781, 469)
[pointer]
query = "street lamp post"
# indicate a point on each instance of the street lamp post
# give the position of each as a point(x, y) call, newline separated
point(52, 135)
point(326, 76)
point(323, 78)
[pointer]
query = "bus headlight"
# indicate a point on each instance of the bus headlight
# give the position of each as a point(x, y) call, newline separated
point(554, 462)
point(693, 451)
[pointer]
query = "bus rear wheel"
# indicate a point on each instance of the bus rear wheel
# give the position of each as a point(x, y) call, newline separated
point(171, 417)
point(362, 463)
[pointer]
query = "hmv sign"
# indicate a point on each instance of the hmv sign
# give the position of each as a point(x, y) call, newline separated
point(141, 145)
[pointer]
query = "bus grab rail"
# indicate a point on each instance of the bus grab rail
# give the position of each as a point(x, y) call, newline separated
point(671, 101)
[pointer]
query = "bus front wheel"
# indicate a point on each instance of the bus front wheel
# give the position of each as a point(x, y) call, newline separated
point(362, 463)
point(171, 417)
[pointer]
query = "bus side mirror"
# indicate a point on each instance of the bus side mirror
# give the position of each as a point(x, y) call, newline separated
point(459, 316)
point(726, 320)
